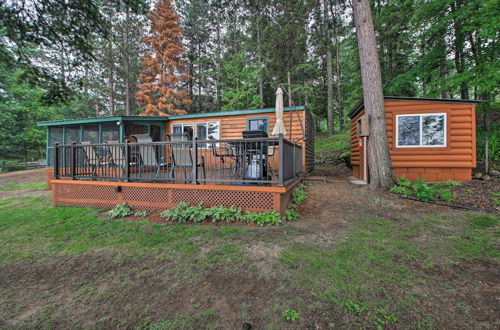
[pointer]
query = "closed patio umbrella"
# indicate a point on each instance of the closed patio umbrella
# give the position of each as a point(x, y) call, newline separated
point(279, 128)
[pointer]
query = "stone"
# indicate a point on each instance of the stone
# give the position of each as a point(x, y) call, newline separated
point(486, 177)
point(494, 173)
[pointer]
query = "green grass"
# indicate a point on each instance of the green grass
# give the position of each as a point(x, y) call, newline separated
point(356, 273)
point(15, 186)
point(335, 143)
point(372, 275)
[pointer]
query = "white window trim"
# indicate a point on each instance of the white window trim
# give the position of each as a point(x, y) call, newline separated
point(206, 123)
point(420, 130)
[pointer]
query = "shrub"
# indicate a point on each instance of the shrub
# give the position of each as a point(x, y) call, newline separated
point(120, 211)
point(222, 213)
point(141, 214)
point(421, 190)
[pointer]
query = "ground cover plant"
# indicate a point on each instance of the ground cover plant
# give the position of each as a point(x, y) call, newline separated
point(421, 190)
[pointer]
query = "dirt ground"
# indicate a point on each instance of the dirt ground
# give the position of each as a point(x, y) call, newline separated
point(240, 295)
point(24, 177)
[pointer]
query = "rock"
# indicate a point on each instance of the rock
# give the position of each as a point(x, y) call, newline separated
point(486, 177)
point(478, 175)
point(494, 173)
point(247, 326)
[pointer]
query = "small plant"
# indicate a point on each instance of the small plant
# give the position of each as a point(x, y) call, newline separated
point(469, 191)
point(383, 318)
point(120, 211)
point(222, 213)
point(142, 214)
point(262, 218)
point(291, 215)
point(353, 307)
point(291, 315)
point(496, 198)
point(421, 190)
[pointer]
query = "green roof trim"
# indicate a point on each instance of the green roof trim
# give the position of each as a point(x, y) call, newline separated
point(100, 120)
point(164, 118)
point(360, 105)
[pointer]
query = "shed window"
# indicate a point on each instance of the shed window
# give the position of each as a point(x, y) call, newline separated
point(421, 130)
point(258, 124)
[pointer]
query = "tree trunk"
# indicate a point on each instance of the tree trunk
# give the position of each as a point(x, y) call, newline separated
point(111, 69)
point(459, 44)
point(338, 71)
point(379, 162)
point(259, 59)
point(127, 65)
point(329, 69)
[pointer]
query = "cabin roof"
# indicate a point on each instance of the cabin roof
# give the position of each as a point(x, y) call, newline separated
point(360, 105)
point(164, 118)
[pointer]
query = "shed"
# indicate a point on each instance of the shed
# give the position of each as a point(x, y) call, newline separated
point(433, 139)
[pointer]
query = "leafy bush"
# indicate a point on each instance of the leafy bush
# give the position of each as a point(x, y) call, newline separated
point(222, 213)
point(291, 315)
point(421, 190)
point(141, 214)
point(184, 212)
point(120, 211)
point(291, 215)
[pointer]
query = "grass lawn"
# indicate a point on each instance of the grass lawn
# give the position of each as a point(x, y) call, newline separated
point(15, 186)
point(67, 267)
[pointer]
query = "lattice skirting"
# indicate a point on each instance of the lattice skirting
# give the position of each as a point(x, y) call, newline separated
point(158, 197)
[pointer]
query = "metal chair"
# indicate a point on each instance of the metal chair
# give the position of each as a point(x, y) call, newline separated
point(148, 157)
point(91, 158)
point(181, 154)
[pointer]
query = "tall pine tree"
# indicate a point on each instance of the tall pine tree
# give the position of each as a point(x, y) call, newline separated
point(162, 89)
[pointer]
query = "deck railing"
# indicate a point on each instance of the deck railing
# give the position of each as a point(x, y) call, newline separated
point(258, 161)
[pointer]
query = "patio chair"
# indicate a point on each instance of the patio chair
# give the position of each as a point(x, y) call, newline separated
point(91, 158)
point(148, 157)
point(182, 156)
point(222, 153)
point(118, 156)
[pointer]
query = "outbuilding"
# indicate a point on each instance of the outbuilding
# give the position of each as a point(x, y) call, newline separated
point(433, 139)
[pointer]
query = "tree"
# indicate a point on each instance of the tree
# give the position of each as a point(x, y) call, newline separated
point(379, 160)
point(239, 83)
point(162, 88)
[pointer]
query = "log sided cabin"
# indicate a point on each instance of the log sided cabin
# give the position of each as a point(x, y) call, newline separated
point(153, 163)
point(434, 139)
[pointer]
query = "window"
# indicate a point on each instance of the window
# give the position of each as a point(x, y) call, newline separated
point(422, 130)
point(183, 128)
point(207, 131)
point(258, 124)
point(110, 131)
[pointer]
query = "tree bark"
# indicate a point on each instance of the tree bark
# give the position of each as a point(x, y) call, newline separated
point(329, 69)
point(379, 162)
point(127, 64)
point(338, 71)
point(111, 70)
point(259, 59)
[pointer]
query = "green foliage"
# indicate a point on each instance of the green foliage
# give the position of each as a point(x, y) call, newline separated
point(354, 307)
point(141, 214)
point(183, 212)
point(484, 221)
point(291, 315)
point(340, 142)
point(13, 186)
point(120, 211)
point(239, 81)
point(223, 214)
point(496, 198)
point(422, 191)
point(493, 135)
point(291, 215)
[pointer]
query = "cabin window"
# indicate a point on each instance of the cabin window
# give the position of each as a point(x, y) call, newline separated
point(421, 130)
point(258, 124)
point(110, 131)
point(183, 128)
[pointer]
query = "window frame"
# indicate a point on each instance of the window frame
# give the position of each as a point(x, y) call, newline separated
point(266, 118)
point(420, 115)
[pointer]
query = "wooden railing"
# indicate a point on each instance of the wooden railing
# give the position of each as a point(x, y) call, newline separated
point(257, 161)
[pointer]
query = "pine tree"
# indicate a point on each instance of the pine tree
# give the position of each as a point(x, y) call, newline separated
point(161, 83)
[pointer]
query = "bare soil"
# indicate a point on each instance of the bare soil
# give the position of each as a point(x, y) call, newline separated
point(24, 177)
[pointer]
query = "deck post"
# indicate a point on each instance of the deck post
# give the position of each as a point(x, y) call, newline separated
point(56, 161)
point(72, 157)
point(127, 161)
point(281, 160)
point(195, 161)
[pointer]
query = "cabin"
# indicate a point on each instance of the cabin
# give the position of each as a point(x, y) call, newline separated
point(224, 158)
point(433, 139)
